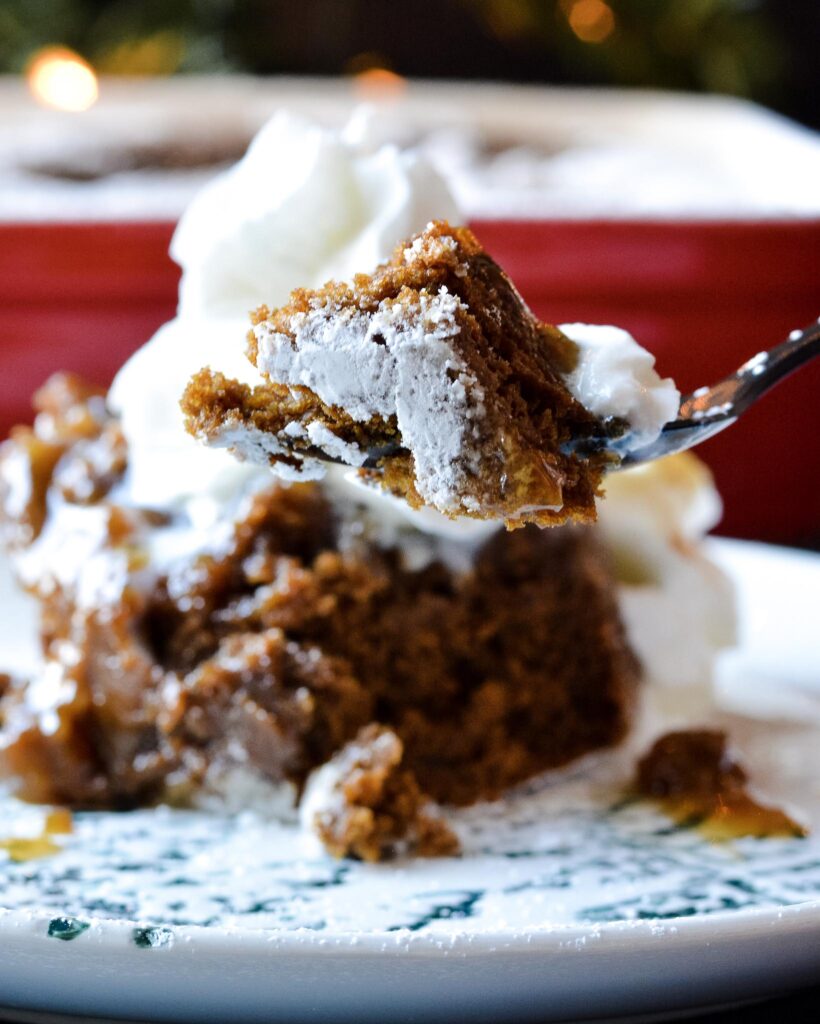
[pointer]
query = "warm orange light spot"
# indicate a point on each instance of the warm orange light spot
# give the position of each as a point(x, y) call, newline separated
point(60, 78)
point(379, 83)
point(592, 21)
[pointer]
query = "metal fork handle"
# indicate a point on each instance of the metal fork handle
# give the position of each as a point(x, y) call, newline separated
point(710, 410)
point(735, 393)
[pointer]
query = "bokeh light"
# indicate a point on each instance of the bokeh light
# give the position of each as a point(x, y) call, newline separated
point(592, 21)
point(379, 83)
point(60, 78)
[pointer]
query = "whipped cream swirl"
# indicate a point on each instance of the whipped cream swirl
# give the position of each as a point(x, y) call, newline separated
point(304, 205)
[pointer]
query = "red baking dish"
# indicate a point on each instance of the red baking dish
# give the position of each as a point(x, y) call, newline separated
point(703, 296)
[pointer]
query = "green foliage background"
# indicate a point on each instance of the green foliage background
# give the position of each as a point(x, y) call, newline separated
point(744, 47)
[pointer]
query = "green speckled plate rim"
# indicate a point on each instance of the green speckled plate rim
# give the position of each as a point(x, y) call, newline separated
point(738, 925)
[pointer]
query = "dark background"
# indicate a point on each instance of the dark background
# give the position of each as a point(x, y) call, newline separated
point(766, 50)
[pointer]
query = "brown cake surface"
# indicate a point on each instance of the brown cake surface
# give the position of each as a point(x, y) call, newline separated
point(274, 645)
point(431, 376)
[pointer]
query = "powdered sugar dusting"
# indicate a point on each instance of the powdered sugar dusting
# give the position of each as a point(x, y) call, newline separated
point(324, 438)
point(250, 444)
point(231, 787)
point(74, 551)
point(401, 360)
point(432, 247)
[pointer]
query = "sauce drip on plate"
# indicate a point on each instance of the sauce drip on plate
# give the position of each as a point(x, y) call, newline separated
point(696, 780)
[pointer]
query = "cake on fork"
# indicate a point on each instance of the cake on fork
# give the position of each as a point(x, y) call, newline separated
point(430, 376)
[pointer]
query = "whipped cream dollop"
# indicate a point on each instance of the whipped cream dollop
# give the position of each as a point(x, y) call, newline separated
point(616, 376)
point(677, 605)
point(304, 205)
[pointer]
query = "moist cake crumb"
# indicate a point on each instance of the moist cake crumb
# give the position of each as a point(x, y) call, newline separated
point(365, 803)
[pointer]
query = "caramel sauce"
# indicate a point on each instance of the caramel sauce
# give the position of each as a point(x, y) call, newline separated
point(20, 849)
point(693, 778)
point(733, 816)
point(59, 822)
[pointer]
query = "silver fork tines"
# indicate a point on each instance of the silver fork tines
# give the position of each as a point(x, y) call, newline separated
point(708, 410)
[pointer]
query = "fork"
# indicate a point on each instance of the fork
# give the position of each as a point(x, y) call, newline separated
point(708, 410)
point(701, 414)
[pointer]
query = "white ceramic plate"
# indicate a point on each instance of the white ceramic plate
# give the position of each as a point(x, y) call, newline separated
point(568, 903)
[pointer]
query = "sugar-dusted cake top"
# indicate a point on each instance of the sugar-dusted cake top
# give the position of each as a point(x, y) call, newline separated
point(431, 376)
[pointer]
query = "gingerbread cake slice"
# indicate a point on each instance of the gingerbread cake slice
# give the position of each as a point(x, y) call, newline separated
point(228, 668)
point(431, 377)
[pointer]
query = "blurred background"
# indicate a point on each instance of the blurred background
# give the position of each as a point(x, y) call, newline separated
point(765, 50)
point(625, 160)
